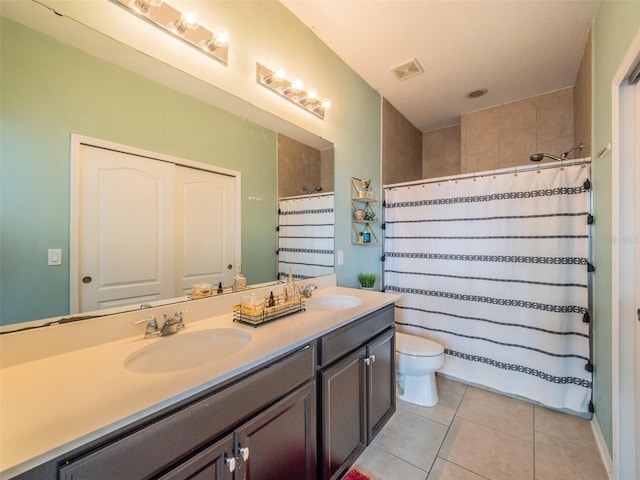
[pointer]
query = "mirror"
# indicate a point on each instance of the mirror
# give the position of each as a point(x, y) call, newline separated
point(305, 210)
point(45, 101)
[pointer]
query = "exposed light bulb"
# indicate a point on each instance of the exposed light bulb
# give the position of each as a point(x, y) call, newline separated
point(221, 37)
point(297, 85)
point(326, 104)
point(143, 6)
point(188, 20)
point(312, 95)
point(280, 74)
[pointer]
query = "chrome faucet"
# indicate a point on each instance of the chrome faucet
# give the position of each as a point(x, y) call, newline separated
point(171, 325)
point(307, 291)
point(152, 330)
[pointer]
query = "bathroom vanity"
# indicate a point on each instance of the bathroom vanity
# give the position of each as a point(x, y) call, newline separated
point(300, 400)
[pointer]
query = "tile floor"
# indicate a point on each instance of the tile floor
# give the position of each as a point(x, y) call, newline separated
point(473, 434)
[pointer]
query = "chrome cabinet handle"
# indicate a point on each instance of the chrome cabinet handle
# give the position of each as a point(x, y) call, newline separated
point(369, 360)
point(244, 453)
point(231, 463)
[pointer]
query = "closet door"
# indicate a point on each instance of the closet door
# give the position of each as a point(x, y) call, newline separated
point(126, 229)
point(205, 228)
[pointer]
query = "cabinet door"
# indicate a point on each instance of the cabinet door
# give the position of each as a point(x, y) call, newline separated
point(280, 443)
point(343, 416)
point(213, 463)
point(381, 382)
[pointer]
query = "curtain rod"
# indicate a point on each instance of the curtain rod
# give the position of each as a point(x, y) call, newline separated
point(299, 197)
point(501, 171)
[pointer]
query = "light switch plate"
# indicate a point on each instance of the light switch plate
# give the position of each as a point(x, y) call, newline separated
point(54, 256)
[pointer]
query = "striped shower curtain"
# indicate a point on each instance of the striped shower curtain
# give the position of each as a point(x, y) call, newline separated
point(305, 236)
point(495, 268)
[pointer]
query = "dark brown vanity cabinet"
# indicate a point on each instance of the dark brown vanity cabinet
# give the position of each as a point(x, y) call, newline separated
point(356, 389)
point(278, 443)
point(260, 427)
point(305, 415)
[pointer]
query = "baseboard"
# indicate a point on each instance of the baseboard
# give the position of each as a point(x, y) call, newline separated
point(602, 446)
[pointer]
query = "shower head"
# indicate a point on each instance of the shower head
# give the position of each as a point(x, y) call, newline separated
point(536, 157)
point(307, 190)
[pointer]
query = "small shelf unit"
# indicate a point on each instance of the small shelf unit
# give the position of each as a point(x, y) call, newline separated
point(362, 213)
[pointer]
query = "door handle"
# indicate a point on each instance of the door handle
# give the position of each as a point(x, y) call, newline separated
point(86, 279)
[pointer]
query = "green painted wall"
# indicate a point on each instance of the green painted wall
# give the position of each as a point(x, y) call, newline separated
point(616, 25)
point(49, 91)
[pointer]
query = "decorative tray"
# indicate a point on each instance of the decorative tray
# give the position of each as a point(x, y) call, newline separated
point(255, 317)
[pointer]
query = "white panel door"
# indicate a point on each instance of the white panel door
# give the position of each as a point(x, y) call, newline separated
point(205, 228)
point(636, 206)
point(127, 229)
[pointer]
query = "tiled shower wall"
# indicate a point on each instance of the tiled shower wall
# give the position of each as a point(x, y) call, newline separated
point(582, 101)
point(506, 135)
point(298, 166)
point(401, 147)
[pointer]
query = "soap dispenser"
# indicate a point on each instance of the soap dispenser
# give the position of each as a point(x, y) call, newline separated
point(239, 281)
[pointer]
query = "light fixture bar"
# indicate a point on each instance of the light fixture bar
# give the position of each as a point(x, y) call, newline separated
point(293, 91)
point(182, 25)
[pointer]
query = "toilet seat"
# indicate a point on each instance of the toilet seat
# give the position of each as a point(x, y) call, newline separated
point(417, 346)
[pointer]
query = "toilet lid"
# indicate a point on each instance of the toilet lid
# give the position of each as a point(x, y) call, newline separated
point(418, 346)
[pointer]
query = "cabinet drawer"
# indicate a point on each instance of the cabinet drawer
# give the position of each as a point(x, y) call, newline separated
point(336, 344)
point(152, 449)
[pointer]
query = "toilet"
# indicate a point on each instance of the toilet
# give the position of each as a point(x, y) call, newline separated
point(417, 359)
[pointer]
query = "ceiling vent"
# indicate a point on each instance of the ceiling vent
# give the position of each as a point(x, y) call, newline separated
point(408, 70)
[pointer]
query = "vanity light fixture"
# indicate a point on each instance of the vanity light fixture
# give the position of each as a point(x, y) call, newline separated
point(276, 81)
point(182, 24)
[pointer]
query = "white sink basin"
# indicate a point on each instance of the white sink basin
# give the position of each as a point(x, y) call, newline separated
point(186, 350)
point(332, 302)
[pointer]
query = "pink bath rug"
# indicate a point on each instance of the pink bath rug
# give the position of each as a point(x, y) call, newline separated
point(355, 475)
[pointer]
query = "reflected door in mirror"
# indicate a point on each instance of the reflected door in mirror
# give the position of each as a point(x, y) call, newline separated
point(205, 228)
point(126, 229)
point(150, 229)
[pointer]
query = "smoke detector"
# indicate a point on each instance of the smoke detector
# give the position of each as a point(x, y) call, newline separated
point(408, 70)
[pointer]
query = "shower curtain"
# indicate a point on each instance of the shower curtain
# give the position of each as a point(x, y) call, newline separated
point(305, 236)
point(495, 268)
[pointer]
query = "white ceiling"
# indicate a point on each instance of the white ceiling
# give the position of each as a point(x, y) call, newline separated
point(514, 48)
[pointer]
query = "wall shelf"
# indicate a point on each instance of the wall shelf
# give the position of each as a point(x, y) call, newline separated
point(362, 212)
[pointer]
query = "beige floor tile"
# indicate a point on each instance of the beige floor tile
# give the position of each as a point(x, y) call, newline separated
point(488, 452)
point(558, 460)
point(378, 464)
point(442, 413)
point(413, 438)
point(510, 416)
point(451, 385)
point(443, 470)
point(568, 428)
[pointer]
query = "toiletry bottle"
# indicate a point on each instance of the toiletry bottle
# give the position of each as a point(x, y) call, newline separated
point(239, 281)
point(289, 289)
point(220, 289)
point(272, 300)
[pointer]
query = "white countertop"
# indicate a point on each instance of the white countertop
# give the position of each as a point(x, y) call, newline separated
point(51, 405)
